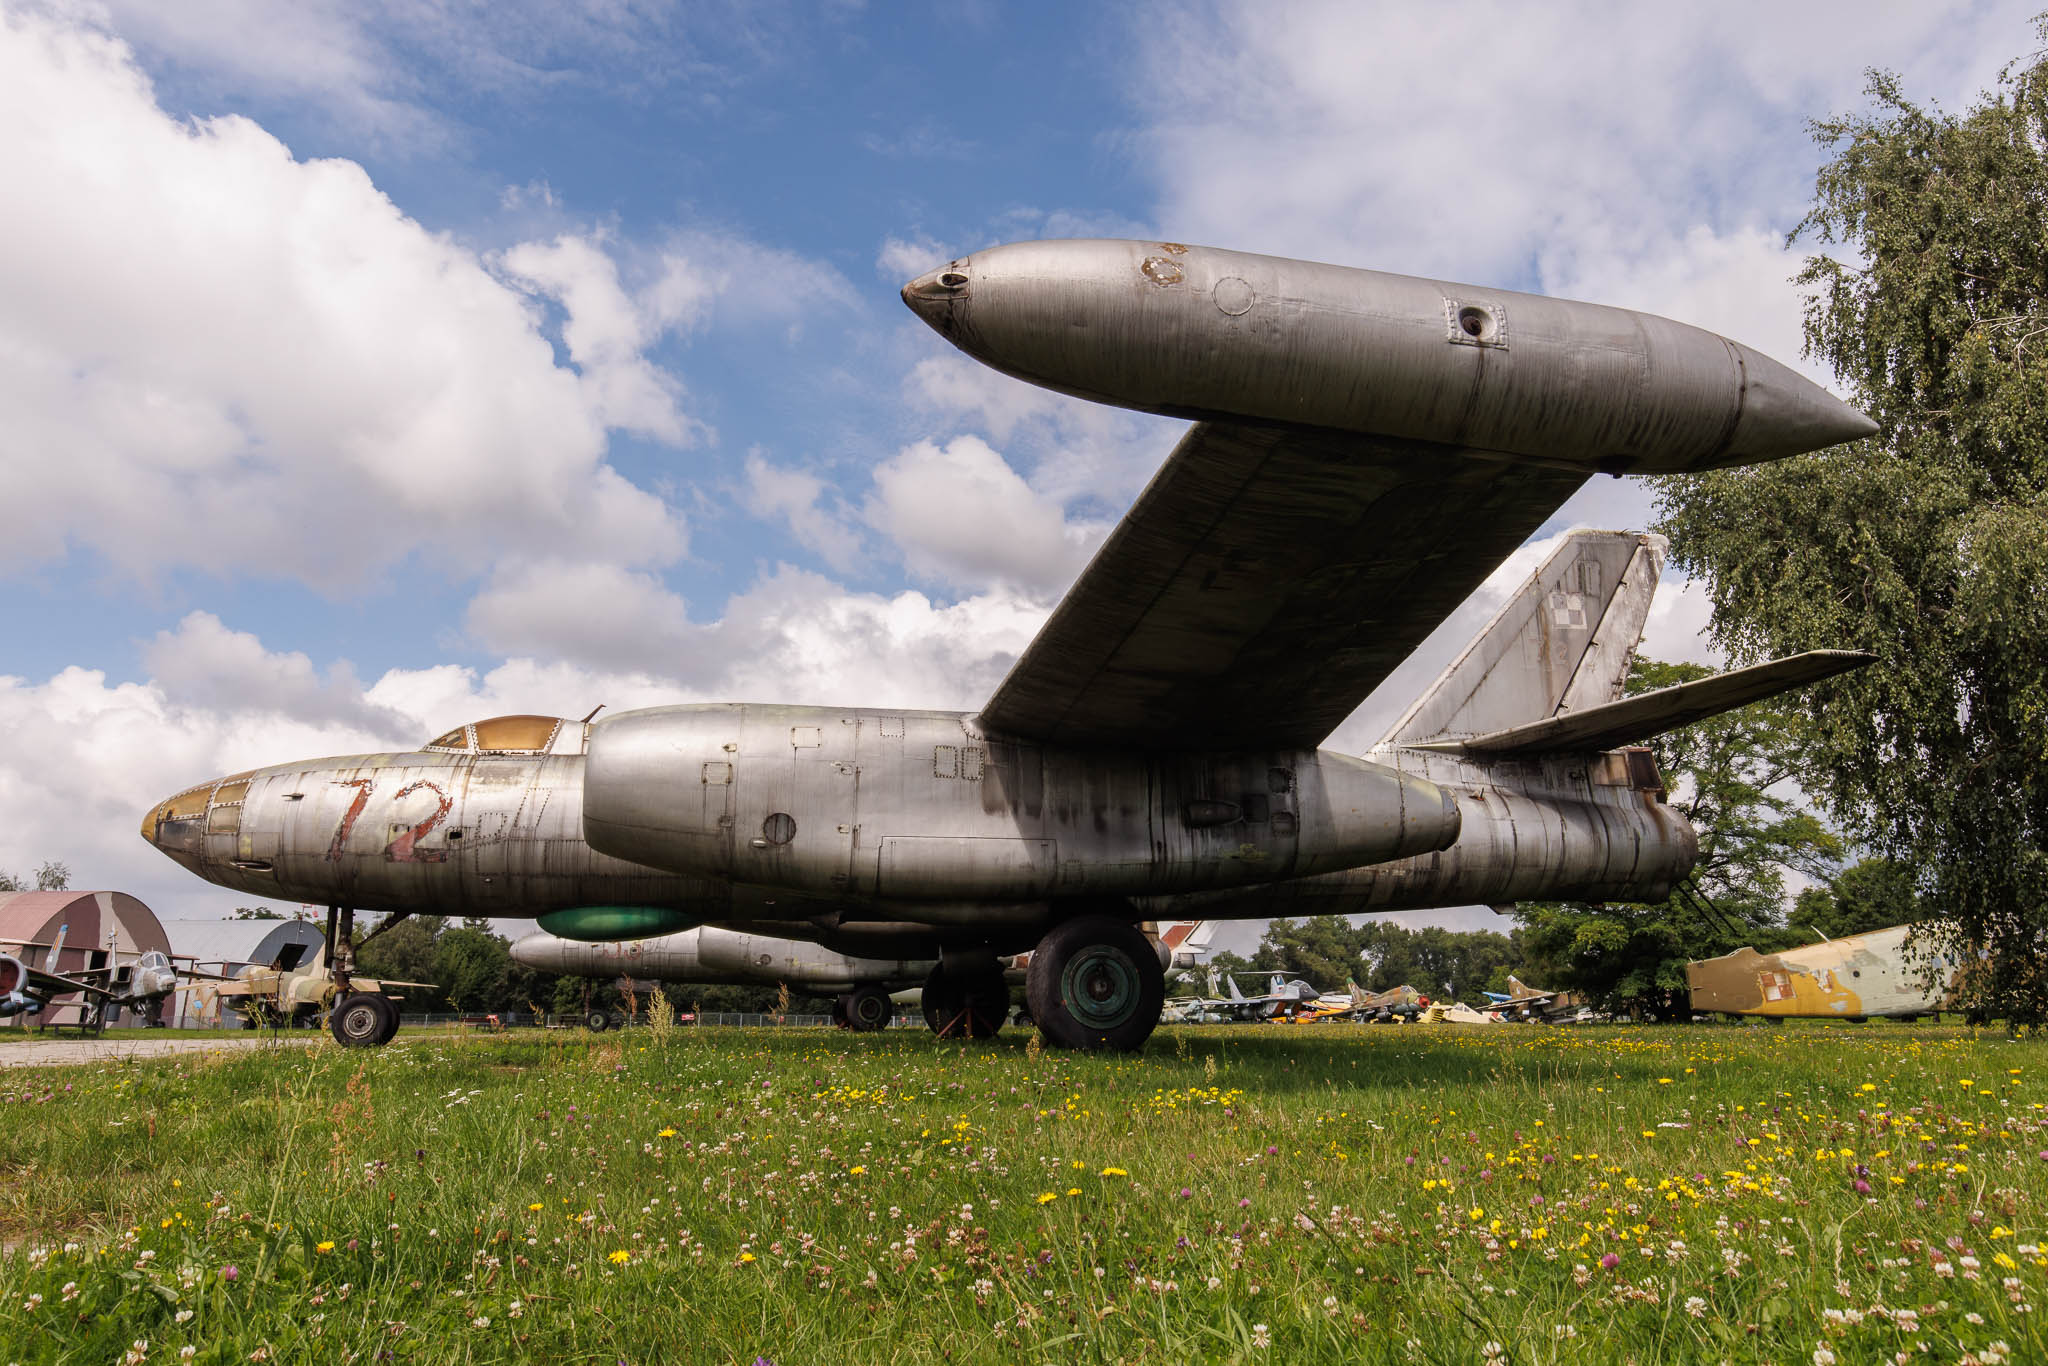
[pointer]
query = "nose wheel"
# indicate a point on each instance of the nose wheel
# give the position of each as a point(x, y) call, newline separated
point(1096, 983)
point(363, 1020)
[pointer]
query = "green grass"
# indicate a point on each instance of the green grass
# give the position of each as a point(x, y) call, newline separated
point(1327, 1193)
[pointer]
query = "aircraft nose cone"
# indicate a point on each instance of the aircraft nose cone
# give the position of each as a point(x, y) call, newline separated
point(936, 295)
point(539, 950)
point(177, 824)
point(1784, 413)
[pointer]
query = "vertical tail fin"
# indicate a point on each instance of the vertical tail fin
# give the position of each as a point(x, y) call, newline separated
point(1560, 644)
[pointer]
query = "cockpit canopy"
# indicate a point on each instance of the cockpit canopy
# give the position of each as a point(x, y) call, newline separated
point(513, 735)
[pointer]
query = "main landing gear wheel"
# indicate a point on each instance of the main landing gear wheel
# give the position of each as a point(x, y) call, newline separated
point(363, 1019)
point(1095, 983)
point(868, 1009)
point(597, 1021)
point(965, 1006)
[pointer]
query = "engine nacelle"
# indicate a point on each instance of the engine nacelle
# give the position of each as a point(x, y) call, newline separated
point(905, 807)
point(14, 994)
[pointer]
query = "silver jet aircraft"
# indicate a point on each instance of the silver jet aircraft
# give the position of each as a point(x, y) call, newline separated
point(708, 954)
point(1367, 448)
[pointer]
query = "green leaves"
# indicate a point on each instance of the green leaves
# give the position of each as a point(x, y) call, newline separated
point(1927, 544)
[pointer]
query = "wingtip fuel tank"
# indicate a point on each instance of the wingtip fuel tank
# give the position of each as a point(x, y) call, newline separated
point(1200, 332)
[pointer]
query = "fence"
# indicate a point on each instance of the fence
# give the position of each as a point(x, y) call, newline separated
point(524, 1020)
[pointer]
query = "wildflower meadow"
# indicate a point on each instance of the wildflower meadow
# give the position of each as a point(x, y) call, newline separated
point(1516, 1194)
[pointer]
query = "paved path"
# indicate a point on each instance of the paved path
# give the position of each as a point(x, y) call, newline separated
point(61, 1052)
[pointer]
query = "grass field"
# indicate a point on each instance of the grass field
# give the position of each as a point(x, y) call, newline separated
point(1316, 1194)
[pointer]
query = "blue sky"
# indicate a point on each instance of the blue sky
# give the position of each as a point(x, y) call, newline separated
point(375, 366)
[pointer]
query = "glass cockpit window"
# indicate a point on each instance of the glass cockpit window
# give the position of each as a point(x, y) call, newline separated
point(454, 739)
point(517, 734)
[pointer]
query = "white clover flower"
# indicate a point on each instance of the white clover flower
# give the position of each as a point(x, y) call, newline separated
point(1823, 1357)
point(1696, 1306)
point(1261, 1335)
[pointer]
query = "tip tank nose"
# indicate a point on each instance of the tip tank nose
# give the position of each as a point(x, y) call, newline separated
point(1785, 413)
point(538, 950)
point(937, 293)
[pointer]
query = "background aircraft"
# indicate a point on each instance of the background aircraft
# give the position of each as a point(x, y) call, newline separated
point(1852, 978)
point(1369, 447)
point(709, 955)
point(137, 986)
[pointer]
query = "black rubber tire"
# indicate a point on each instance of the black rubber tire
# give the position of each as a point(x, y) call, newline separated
point(597, 1021)
point(1095, 983)
point(363, 1019)
point(867, 1009)
point(971, 1006)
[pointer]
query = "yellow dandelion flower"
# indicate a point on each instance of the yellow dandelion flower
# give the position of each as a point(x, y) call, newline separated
point(666, 1133)
point(1114, 1171)
point(1073, 1190)
point(620, 1258)
point(858, 1171)
point(746, 1257)
point(536, 1207)
point(327, 1246)
point(1478, 1213)
point(1046, 1197)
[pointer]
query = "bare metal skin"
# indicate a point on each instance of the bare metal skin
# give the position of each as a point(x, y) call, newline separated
point(1370, 447)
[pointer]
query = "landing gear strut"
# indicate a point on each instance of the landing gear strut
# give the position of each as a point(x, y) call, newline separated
point(966, 1001)
point(1096, 983)
point(360, 1019)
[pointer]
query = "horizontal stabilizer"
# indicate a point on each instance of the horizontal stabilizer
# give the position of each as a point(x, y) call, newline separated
point(1652, 713)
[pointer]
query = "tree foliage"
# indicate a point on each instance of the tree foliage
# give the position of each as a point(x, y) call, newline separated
point(1328, 950)
point(51, 876)
point(1928, 543)
point(1872, 894)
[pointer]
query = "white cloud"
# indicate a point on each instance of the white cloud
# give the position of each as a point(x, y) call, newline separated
point(1652, 156)
point(378, 68)
point(213, 354)
point(608, 333)
point(960, 515)
point(596, 613)
point(1676, 631)
point(206, 665)
point(794, 498)
point(903, 259)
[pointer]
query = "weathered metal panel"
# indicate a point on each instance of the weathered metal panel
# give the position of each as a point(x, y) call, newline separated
point(1265, 581)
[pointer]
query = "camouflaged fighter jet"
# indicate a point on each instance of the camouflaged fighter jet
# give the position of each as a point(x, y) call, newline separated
point(1366, 449)
point(139, 986)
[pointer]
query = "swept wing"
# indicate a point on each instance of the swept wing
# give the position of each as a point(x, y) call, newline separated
point(1263, 583)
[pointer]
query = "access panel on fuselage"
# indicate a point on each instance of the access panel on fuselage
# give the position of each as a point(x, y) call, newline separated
point(795, 797)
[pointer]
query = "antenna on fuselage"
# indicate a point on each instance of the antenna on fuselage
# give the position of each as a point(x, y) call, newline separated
point(593, 712)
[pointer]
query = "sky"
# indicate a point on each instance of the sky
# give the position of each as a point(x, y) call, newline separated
point(367, 367)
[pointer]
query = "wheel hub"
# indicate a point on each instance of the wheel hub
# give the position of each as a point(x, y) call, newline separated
point(1104, 987)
